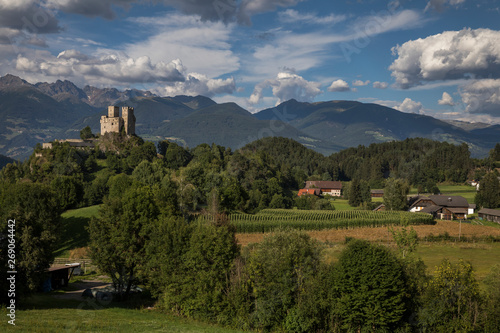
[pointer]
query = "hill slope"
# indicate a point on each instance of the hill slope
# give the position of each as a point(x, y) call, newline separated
point(231, 126)
point(4, 160)
point(350, 124)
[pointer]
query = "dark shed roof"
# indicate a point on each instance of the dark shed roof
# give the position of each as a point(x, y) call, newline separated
point(449, 201)
point(487, 211)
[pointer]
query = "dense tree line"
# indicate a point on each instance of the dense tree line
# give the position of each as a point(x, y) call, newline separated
point(416, 160)
point(262, 174)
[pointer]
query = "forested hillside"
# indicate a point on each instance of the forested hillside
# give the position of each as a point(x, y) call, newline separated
point(417, 160)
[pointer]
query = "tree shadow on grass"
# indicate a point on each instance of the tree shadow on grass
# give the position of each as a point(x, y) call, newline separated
point(53, 300)
point(73, 234)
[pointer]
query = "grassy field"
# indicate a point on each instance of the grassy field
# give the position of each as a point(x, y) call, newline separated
point(74, 235)
point(46, 313)
point(343, 204)
point(482, 256)
point(466, 191)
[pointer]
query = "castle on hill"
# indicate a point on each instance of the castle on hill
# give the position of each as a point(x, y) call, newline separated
point(113, 122)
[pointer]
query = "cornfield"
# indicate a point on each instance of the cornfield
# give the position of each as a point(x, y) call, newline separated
point(270, 219)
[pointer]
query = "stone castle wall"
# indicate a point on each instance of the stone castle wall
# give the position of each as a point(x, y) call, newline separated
point(113, 122)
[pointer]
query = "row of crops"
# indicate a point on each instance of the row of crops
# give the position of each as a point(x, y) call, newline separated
point(270, 219)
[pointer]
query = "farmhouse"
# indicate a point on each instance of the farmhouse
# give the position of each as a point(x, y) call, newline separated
point(444, 207)
point(333, 188)
point(377, 193)
point(492, 215)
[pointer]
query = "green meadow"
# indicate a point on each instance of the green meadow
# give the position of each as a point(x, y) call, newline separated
point(466, 191)
point(46, 313)
point(73, 232)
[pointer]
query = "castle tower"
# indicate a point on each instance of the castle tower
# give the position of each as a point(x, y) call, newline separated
point(112, 122)
point(128, 120)
point(113, 111)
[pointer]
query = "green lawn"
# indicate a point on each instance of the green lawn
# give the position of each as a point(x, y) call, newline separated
point(342, 204)
point(73, 233)
point(56, 315)
point(466, 191)
point(481, 255)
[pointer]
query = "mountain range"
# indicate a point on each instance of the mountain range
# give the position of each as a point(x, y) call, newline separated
point(41, 112)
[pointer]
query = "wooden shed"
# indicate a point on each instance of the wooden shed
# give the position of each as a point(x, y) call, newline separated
point(58, 276)
point(492, 215)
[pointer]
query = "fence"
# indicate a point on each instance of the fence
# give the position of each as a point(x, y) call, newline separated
point(86, 264)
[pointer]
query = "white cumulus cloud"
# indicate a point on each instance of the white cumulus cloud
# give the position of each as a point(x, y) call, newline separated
point(360, 83)
point(109, 68)
point(198, 84)
point(380, 85)
point(447, 56)
point(410, 106)
point(482, 96)
point(339, 86)
point(446, 99)
point(285, 86)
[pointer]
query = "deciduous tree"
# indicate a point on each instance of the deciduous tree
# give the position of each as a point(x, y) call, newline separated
point(451, 301)
point(118, 237)
point(36, 212)
point(371, 289)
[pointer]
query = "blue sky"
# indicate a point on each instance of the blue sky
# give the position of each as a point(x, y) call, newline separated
point(438, 57)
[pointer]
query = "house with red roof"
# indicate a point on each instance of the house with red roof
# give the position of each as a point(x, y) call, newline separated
point(322, 187)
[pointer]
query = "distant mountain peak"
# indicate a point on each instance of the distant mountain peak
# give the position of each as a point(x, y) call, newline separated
point(12, 81)
point(61, 88)
point(67, 90)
